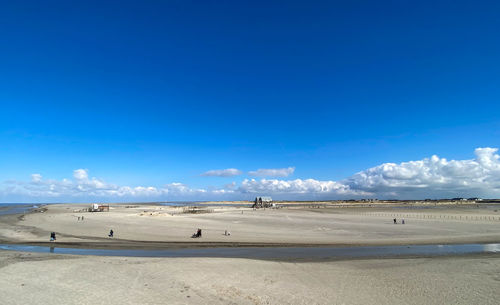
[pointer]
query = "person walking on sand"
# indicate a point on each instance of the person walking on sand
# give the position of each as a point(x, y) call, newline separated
point(52, 236)
point(395, 221)
point(110, 233)
point(403, 221)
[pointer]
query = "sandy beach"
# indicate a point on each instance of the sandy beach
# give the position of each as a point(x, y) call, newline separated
point(34, 278)
point(154, 226)
point(28, 278)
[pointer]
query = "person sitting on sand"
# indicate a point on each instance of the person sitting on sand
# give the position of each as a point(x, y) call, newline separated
point(110, 233)
point(197, 234)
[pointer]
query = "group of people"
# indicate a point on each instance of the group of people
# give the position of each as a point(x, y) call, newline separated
point(195, 235)
point(111, 233)
point(396, 221)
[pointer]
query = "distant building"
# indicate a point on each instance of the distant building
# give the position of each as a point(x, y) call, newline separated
point(263, 202)
point(369, 200)
point(99, 208)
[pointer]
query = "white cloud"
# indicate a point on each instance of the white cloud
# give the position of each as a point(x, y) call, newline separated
point(297, 186)
point(177, 188)
point(83, 187)
point(273, 172)
point(427, 178)
point(433, 176)
point(80, 174)
point(229, 172)
point(35, 178)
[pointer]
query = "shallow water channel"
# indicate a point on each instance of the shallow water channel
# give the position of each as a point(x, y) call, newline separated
point(278, 253)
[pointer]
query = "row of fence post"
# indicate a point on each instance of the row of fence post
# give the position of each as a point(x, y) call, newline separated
point(439, 216)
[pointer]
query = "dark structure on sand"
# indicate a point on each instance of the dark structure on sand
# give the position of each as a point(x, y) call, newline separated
point(263, 202)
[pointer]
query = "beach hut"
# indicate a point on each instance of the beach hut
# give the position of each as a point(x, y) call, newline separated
point(263, 202)
point(99, 208)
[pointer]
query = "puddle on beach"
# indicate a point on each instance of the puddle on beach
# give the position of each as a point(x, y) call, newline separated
point(283, 253)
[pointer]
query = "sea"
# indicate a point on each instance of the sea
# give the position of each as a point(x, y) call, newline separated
point(17, 208)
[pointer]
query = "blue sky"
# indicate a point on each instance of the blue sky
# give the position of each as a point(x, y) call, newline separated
point(157, 93)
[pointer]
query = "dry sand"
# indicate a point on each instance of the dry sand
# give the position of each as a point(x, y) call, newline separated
point(35, 278)
point(306, 226)
point(54, 279)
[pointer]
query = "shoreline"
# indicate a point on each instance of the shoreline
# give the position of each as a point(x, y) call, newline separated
point(156, 245)
point(280, 253)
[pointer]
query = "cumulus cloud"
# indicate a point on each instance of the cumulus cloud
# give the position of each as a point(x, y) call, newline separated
point(181, 189)
point(272, 172)
point(80, 174)
point(82, 186)
point(297, 186)
point(431, 177)
point(35, 178)
point(229, 172)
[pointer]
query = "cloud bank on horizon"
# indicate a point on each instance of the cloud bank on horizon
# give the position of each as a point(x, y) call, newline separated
point(432, 177)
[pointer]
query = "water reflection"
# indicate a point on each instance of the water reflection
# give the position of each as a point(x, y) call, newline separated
point(284, 253)
point(495, 248)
